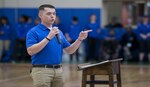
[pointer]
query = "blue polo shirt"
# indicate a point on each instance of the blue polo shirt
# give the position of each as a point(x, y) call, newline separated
point(21, 30)
point(143, 29)
point(7, 32)
point(94, 27)
point(74, 31)
point(52, 52)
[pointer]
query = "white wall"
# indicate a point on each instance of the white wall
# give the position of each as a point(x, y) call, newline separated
point(56, 3)
point(104, 14)
point(1, 3)
point(114, 9)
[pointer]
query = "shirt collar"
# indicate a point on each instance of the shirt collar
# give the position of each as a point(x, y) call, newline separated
point(50, 28)
point(43, 27)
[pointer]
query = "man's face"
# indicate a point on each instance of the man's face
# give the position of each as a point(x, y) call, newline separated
point(3, 21)
point(48, 15)
point(22, 19)
point(93, 18)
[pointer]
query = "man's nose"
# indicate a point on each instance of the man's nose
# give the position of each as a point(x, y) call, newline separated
point(52, 16)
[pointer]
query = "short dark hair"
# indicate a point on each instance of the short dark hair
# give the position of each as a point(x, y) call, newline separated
point(75, 18)
point(4, 18)
point(46, 5)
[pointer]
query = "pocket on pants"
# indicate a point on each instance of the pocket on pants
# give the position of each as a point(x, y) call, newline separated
point(37, 77)
point(41, 77)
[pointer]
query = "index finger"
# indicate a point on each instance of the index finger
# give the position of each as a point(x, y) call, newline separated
point(88, 31)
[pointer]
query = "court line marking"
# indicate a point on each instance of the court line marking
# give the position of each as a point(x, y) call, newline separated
point(16, 78)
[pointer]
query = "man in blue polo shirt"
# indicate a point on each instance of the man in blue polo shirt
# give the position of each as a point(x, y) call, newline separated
point(72, 35)
point(93, 41)
point(5, 37)
point(144, 38)
point(46, 52)
point(21, 29)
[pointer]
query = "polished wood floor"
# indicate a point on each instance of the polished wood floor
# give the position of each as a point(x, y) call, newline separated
point(17, 75)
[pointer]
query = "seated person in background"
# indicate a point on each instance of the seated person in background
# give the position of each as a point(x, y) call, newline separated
point(129, 44)
point(110, 45)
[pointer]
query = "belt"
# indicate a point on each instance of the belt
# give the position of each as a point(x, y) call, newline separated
point(48, 66)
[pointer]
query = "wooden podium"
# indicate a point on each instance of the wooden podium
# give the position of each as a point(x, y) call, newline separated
point(109, 67)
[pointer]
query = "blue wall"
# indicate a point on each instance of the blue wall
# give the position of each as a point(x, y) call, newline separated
point(65, 14)
point(82, 14)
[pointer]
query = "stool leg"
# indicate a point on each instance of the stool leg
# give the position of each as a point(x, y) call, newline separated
point(92, 78)
point(84, 79)
point(119, 76)
point(118, 80)
point(111, 80)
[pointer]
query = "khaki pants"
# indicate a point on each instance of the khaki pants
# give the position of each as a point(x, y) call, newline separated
point(4, 44)
point(47, 77)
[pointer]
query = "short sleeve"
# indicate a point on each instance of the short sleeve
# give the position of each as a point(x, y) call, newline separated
point(65, 43)
point(31, 39)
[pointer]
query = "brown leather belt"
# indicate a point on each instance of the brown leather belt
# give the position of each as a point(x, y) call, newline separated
point(47, 66)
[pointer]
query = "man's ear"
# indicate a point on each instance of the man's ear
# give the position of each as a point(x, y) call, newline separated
point(40, 14)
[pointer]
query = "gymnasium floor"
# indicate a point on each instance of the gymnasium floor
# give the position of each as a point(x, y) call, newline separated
point(17, 75)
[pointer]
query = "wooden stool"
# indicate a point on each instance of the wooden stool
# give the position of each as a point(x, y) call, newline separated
point(109, 67)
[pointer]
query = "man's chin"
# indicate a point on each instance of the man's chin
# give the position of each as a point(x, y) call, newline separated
point(50, 23)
